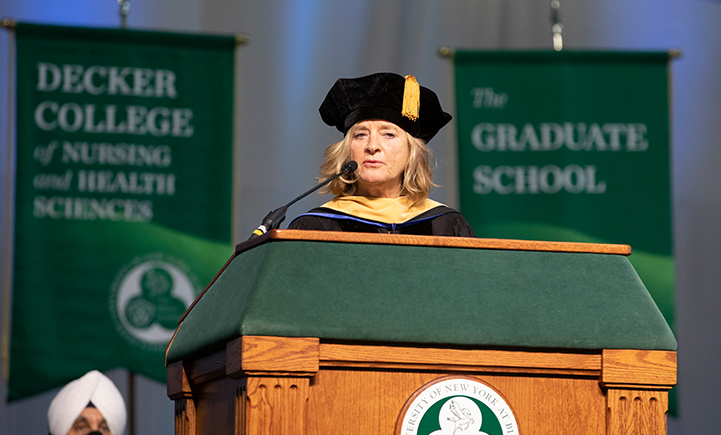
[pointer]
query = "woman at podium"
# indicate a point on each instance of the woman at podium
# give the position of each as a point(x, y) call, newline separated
point(387, 120)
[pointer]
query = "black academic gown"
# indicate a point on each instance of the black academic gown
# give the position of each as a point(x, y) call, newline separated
point(438, 221)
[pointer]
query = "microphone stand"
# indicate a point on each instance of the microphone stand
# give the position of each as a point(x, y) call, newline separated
point(273, 219)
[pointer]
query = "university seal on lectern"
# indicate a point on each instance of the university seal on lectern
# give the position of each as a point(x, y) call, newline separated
point(456, 405)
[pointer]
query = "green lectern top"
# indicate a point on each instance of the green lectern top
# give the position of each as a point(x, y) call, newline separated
point(425, 290)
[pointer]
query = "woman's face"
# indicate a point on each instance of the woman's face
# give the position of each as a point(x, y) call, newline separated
point(381, 150)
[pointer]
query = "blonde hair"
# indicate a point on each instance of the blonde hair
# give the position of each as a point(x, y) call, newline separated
point(417, 175)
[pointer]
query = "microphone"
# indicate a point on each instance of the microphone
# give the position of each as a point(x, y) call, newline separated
point(273, 219)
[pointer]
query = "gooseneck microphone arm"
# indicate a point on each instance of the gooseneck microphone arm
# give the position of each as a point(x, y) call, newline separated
point(273, 219)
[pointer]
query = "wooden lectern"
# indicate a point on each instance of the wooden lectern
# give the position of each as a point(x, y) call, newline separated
point(324, 333)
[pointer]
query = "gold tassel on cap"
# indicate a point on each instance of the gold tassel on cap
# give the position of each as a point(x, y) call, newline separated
point(411, 98)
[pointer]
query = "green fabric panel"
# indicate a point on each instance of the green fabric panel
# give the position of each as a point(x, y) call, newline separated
point(445, 296)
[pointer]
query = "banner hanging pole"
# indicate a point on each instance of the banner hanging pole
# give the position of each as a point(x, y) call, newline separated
point(131, 402)
point(9, 24)
point(124, 11)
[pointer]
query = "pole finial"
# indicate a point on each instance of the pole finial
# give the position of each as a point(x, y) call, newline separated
point(124, 11)
point(557, 27)
point(8, 23)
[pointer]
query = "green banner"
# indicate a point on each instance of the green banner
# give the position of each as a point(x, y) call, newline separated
point(123, 196)
point(570, 146)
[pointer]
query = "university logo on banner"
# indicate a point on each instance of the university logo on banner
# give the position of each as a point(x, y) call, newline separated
point(123, 195)
point(570, 146)
point(148, 297)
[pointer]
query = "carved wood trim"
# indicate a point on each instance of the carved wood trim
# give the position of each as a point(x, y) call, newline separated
point(294, 355)
point(567, 363)
point(450, 242)
point(646, 369)
point(178, 386)
point(206, 368)
point(636, 412)
point(276, 405)
point(185, 417)
point(233, 359)
point(241, 400)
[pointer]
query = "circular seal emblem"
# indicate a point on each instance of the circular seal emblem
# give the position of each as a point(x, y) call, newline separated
point(148, 297)
point(456, 405)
